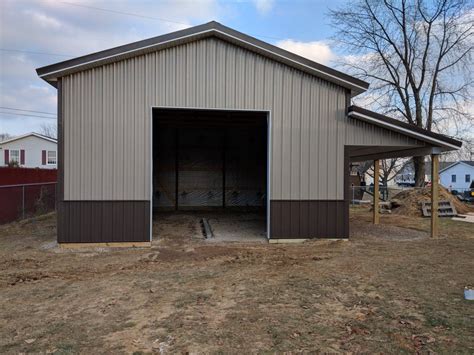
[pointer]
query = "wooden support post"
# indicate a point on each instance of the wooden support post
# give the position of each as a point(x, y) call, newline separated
point(434, 195)
point(376, 211)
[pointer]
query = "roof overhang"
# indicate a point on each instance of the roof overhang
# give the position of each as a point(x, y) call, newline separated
point(436, 140)
point(51, 73)
point(364, 153)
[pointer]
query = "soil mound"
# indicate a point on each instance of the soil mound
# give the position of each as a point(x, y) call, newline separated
point(409, 201)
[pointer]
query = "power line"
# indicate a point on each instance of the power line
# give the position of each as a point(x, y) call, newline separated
point(145, 16)
point(33, 52)
point(18, 109)
point(112, 11)
point(24, 114)
point(124, 13)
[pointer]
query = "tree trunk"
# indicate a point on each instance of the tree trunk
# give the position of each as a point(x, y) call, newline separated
point(384, 191)
point(419, 163)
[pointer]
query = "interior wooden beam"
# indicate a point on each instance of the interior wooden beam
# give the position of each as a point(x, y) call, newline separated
point(434, 195)
point(376, 211)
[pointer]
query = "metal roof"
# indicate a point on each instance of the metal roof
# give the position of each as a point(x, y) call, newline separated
point(403, 127)
point(469, 163)
point(52, 72)
point(28, 135)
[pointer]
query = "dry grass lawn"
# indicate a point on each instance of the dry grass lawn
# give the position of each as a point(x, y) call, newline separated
point(390, 289)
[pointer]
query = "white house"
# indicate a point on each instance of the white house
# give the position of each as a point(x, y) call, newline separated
point(30, 150)
point(406, 176)
point(457, 176)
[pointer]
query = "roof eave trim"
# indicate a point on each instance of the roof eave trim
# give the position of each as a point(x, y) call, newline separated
point(449, 167)
point(118, 54)
point(345, 83)
point(321, 72)
point(456, 163)
point(402, 130)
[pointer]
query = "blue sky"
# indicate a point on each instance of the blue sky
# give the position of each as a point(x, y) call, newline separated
point(64, 28)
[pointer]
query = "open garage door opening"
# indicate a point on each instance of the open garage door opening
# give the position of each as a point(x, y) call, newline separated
point(212, 165)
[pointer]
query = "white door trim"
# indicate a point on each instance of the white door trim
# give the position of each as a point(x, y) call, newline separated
point(269, 152)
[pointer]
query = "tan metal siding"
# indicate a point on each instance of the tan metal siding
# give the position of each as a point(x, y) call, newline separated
point(276, 123)
point(341, 137)
point(304, 138)
point(284, 138)
point(314, 132)
point(322, 146)
point(107, 178)
point(107, 119)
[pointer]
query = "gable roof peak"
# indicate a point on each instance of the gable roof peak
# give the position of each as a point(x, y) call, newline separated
point(51, 73)
point(34, 134)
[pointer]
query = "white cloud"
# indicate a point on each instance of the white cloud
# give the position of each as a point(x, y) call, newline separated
point(51, 26)
point(263, 6)
point(318, 51)
point(43, 20)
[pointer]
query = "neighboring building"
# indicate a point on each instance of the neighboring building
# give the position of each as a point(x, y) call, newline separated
point(406, 176)
point(458, 175)
point(210, 117)
point(30, 150)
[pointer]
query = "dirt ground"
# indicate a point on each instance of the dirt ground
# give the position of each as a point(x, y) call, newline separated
point(234, 227)
point(389, 289)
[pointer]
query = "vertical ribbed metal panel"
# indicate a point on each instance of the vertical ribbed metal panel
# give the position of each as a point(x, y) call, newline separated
point(284, 138)
point(295, 137)
point(324, 155)
point(277, 119)
point(221, 69)
point(107, 119)
point(304, 138)
point(108, 135)
point(341, 137)
point(314, 131)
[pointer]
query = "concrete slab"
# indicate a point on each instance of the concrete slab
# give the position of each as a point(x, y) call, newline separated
point(237, 227)
point(469, 218)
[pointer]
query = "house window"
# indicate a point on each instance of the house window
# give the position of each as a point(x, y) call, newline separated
point(51, 157)
point(453, 178)
point(15, 155)
point(468, 178)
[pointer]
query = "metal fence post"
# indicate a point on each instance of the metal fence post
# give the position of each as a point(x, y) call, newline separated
point(23, 201)
point(41, 201)
point(353, 194)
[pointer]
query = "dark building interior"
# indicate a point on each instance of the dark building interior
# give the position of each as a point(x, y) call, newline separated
point(209, 160)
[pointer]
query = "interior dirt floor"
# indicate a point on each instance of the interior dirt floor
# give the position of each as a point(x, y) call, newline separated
point(389, 289)
point(226, 226)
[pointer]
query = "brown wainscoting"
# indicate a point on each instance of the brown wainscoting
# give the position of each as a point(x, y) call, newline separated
point(103, 221)
point(301, 219)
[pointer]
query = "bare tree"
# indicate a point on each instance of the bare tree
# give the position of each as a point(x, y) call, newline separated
point(364, 167)
point(466, 153)
point(4, 136)
point(416, 55)
point(389, 168)
point(49, 130)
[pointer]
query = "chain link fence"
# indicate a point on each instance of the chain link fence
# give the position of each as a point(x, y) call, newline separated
point(26, 200)
point(364, 194)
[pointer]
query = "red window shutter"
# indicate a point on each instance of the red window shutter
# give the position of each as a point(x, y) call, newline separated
point(43, 157)
point(7, 156)
point(22, 156)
